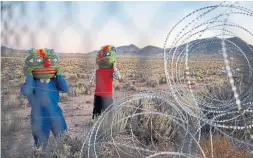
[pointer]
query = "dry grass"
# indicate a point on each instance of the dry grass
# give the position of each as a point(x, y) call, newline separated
point(13, 101)
point(11, 124)
point(152, 82)
point(129, 86)
point(146, 131)
point(117, 86)
point(65, 146)
point(64, 97)
point(78, 89)
point(222, 148)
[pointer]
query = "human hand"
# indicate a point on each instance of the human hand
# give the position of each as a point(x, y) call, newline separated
point(30, 71)
point(97, 67)
point(58, 71)
point(116, 74)
point(92, 78)
point(114, 65)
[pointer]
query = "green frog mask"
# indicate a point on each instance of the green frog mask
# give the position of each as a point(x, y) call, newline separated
point(41, 63)
point(106, 56)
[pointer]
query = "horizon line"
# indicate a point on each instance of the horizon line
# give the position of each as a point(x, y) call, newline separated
point(128, 45)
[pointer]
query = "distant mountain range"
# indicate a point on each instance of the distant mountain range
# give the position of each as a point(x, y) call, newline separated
point(205, 46)
point(5, 50)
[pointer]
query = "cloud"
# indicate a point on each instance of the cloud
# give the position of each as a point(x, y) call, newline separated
point(142, 13)
point(70, 41)
point(139, 23)
point(113, 33)
point(243, 22)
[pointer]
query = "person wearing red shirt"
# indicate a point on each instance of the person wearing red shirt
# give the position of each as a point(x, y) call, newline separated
point(104, 75)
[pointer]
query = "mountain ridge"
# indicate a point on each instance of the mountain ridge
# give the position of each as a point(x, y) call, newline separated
point(205, 46)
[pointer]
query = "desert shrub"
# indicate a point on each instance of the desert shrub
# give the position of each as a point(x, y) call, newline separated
point(142, 79)
point(222, 147)
point(152, 82)
point(13, 101)
point(72, 77)
point(221, 93)
point(122, 77)
point(146, 130)
point(82, 76)
point(162, 80)
point(11, 124)
point(199, 79)
point(214, 102)
point(117, 85)
point(132, 75)
point(10, 76)
point(130, 87)
point(65, 146)
point(79, 89)
point(4, 79)
point(63, 97)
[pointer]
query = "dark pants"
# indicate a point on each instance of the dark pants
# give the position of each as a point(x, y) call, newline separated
point(101, 104)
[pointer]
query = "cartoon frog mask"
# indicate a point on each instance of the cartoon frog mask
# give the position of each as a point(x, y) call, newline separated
point(106, 56)
point(43, 63)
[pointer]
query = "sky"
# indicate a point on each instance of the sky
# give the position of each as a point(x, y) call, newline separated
point(82, 26)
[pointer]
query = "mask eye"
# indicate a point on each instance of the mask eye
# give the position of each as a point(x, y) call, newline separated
point(54, 60)
point(34, 60)
point(31, 60)
point(38, 60)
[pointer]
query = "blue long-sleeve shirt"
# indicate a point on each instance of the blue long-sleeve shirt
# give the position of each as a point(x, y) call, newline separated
point(44, 96)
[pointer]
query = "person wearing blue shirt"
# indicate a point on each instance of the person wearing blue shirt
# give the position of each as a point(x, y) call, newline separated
point(41, 87)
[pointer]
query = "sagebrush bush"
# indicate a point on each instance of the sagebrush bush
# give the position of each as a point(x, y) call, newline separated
point(152, 82)
point(11, 123)
point(72, 78)
point(65, 146)
point(222, 147)
point(129, 86)
point(117, 85)
point(82, 76)
point(162, 80)
point(149, 131)
point(64, 97)
point(221, 96)
point(13, 101)
point(79, 89)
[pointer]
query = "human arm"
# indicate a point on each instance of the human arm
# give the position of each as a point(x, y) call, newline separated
point(116, 74)
point(92, 76)
point(62, 84)
point(28, 87)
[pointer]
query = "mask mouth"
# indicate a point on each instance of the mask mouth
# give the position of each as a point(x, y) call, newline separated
point(48, 70)
point(103, 60)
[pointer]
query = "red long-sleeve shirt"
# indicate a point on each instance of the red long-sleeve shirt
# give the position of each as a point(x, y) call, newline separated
point(104, 82)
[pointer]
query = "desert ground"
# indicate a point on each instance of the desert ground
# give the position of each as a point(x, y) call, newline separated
point(138, 75)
